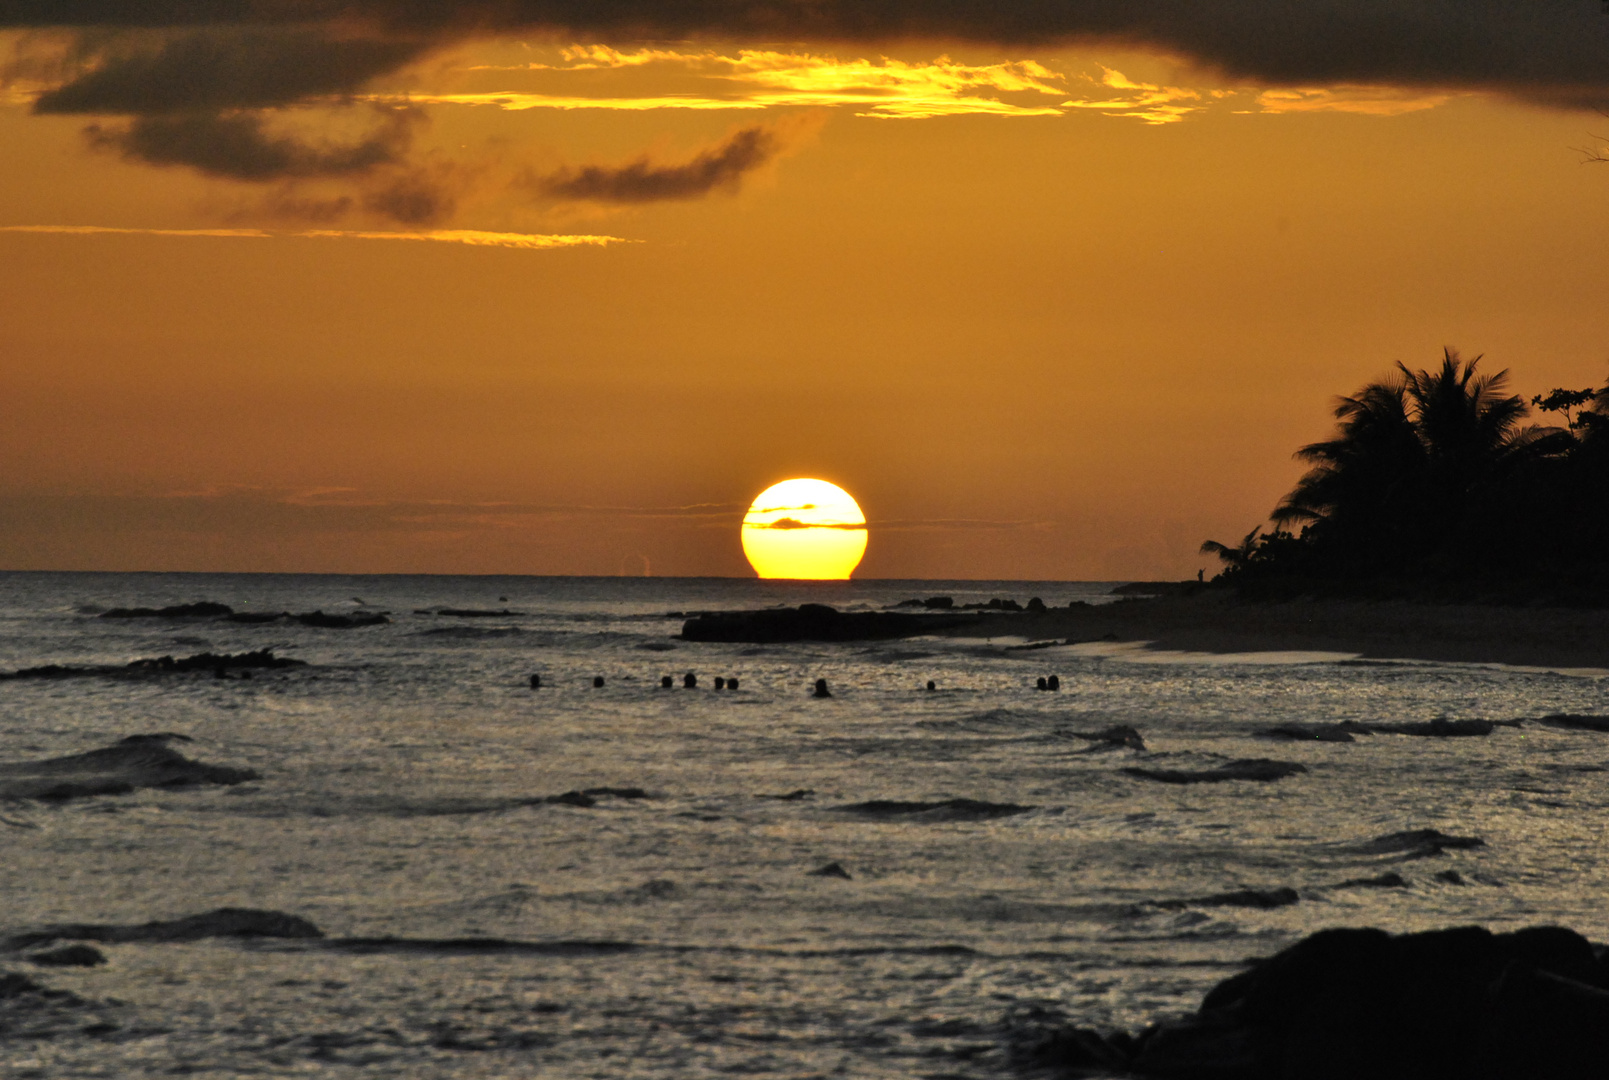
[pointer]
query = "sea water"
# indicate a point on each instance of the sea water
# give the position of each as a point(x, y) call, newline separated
point(682, 933)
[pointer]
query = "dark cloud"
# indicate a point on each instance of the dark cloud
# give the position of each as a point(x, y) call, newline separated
point(1555, 51)
point(722, 167)
point(240, 146)
point(222, 69)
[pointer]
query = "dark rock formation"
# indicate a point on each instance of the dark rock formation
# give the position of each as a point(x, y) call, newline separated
point(69, 956)
point(202, 610)
point(32, 1011)
point(1243, 769)
point(1308, 733)
point(1415, 844)
point(1392, 880)
point(1458, 1004)
point(1576, 722)
point(139, 761)
point(1440, 728)
point(341, 622)
point(1116, 737)
point(1264, 899)
point(162, 665)
point(477, 613)
point(944, 810)
point(221, 923)
point(816, 622)
point(590, 796)
point(832, 870)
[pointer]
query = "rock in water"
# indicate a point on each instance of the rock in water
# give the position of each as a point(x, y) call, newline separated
point(818, 622)
point(69, 956)
point(832, 870)
point(945, 810)
point(1415, 843)
point(204, 609)
point(1116, 737)
point(139, 761)
point(1308, 733)
point(1264, 899)
point(1263, 769)
point(1576, 722)
point(222, 922)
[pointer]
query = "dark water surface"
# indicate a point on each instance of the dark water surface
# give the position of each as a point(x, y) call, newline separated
point(681, 933)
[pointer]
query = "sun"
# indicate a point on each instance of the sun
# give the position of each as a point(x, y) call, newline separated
point(806, 529)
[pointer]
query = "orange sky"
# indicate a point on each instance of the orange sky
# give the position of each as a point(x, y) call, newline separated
point(1033, 346)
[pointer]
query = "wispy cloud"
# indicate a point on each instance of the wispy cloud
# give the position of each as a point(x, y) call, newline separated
point(472, 237)
point(758, 79)
point(1150, 102)
point(1365, 100)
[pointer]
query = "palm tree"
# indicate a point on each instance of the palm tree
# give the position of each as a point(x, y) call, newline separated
point(1415, 456)
point(1239, 555)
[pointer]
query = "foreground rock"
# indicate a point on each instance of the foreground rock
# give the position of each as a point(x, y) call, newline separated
point(220, 923)
point(818, 622)
point(1458, 1004)
point(1261, 769)
point(217, 663)
point(139, 761)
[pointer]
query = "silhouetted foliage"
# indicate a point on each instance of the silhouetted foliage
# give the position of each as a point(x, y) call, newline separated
point(1432, 479)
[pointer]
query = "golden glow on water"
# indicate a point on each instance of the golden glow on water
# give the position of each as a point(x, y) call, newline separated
point(804, 529)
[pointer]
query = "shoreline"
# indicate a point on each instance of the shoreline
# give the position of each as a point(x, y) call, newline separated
point(1371, 629)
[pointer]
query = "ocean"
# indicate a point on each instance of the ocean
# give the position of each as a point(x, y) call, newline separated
point(667, 916)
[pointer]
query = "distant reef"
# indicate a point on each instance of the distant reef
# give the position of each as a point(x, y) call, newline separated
point(208, 610)
point(818, 622)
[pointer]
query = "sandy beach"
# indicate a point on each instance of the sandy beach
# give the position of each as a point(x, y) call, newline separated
point(1220, 623)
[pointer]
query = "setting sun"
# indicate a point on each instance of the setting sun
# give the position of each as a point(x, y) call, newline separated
point(806, 529)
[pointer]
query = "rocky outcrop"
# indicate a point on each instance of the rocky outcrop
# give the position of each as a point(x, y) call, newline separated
point(1116, 737)
point(1308, 733)
point(139, 761)
point(943, 810)
point(1262, 769)
point(257, 660)
point(220, 923)
point(1576, 722)
point(1457, 1004)
point(202, 610)
point(1415, 844)
point(817, 622)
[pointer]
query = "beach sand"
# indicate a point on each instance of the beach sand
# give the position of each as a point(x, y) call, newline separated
point(1396, 630)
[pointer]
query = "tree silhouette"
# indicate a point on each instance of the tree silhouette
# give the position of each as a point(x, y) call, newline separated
point(1432, 475)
